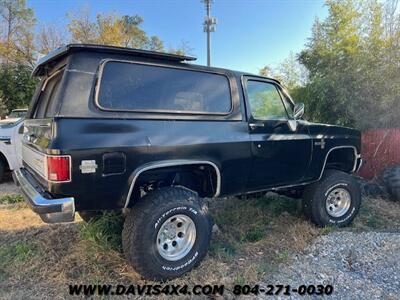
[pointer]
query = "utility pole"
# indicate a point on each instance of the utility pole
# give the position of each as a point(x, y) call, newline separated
point(209, 26)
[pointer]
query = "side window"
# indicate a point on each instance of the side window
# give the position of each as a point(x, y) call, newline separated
point(265, 101)
point(137, 87)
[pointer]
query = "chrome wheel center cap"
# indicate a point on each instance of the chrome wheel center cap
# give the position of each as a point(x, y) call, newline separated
point(170, 231)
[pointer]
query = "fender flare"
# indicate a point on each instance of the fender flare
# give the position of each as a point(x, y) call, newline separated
point(170, 163)
point(7, 160)
point(356, 157)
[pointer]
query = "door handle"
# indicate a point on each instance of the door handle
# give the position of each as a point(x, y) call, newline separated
point(256, 125)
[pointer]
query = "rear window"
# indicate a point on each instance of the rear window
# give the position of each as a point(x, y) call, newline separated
point(46, 106)
point(138, 87)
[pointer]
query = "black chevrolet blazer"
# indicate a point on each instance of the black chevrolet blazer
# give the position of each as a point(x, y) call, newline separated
point(148, 133)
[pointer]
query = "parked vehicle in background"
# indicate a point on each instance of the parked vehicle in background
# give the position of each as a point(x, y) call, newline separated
point(10, 146)
point(15, 116)
point(381, 154)
point(113, 128)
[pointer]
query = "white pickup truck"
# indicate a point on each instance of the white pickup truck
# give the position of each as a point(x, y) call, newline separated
point(10, 145)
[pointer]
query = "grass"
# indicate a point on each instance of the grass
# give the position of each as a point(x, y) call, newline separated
point(104, 232)
point(11, 199)
point(377, 214)
point(14, 255)
point(255, 236)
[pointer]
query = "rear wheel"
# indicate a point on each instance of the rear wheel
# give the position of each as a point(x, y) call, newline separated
point(166, 233)
point(391, 180)
point(334, 200)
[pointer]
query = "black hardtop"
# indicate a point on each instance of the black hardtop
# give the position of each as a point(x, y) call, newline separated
point(61, 52)
point(52, 58)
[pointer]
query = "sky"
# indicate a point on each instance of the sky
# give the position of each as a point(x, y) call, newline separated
point(249, 35)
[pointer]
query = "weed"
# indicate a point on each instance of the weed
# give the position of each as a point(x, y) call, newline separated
point(283, 256)
point(11, 199)
point(239, 279)
point(327, 229)
point(18, 252)
point(104, 231)
point(222, 250)
point(276, 205)
point(253, 234)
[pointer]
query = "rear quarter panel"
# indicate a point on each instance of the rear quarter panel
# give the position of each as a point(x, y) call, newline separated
point(143, 141)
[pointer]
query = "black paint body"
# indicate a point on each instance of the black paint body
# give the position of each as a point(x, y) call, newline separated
point(264, 158)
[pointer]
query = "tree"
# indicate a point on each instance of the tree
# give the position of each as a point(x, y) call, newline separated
point(49, 38)
point(289, 72)
point(3, 107)
point(17, 86)
point(82, 29)
point(182, 49)
point(112, 29)
point(17, 39)
point(353, 59)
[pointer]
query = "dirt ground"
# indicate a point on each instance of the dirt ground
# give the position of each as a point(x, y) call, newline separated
point(254, 238)
point(8, 187)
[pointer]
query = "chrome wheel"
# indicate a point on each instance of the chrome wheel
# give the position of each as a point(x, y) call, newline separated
point(338, 202)
point(176, 237)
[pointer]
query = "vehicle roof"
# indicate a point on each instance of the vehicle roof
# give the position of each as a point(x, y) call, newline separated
point(20, 109)
point(65, 50)
point(61, 52)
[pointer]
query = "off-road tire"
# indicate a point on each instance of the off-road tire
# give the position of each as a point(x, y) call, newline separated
point(2, 170)
point(89, 216)
point(391, 180)
point(143, 221)
point(315, 196)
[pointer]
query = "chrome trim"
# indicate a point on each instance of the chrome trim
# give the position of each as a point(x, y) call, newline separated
point(49, 78)
point(50, 210)
point(360, 165)
point(162, 111)
point(340, 147)
point(45, 175)
point(164, 164)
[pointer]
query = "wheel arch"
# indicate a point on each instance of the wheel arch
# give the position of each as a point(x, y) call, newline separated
point(337, 156)
point(3, 159)
point(159, 165)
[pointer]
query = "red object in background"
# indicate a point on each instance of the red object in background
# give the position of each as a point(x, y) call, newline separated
point(380, 149)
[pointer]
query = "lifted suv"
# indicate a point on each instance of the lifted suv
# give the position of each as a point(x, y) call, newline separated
point(112, 128)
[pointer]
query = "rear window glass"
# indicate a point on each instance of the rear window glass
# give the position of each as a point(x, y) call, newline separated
point(130, 86)
point(46, 105)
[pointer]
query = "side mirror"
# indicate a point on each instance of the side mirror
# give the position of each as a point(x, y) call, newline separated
point(298, 111)
point(21, 129)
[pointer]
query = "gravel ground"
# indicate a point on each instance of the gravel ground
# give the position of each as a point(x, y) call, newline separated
point(358, 265)
point(8, 187)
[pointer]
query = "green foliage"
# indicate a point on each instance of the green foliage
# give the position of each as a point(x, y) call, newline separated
point(16, 86)
point(222, 249)
point(265, 102)
point(11, 199)
point(254, 234)
point(352, 59)
point(18, 252)
point(104, 231)
point(16, 37)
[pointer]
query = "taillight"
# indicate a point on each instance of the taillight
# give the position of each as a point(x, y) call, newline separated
point(58, 168)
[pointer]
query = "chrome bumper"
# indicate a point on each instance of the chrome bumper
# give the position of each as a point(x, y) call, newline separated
point(50, 210)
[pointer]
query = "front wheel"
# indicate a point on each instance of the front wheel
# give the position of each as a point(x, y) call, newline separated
point(334, 200)
point(166, 233)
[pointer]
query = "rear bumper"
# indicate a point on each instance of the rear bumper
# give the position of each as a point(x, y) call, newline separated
point(49, 209)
